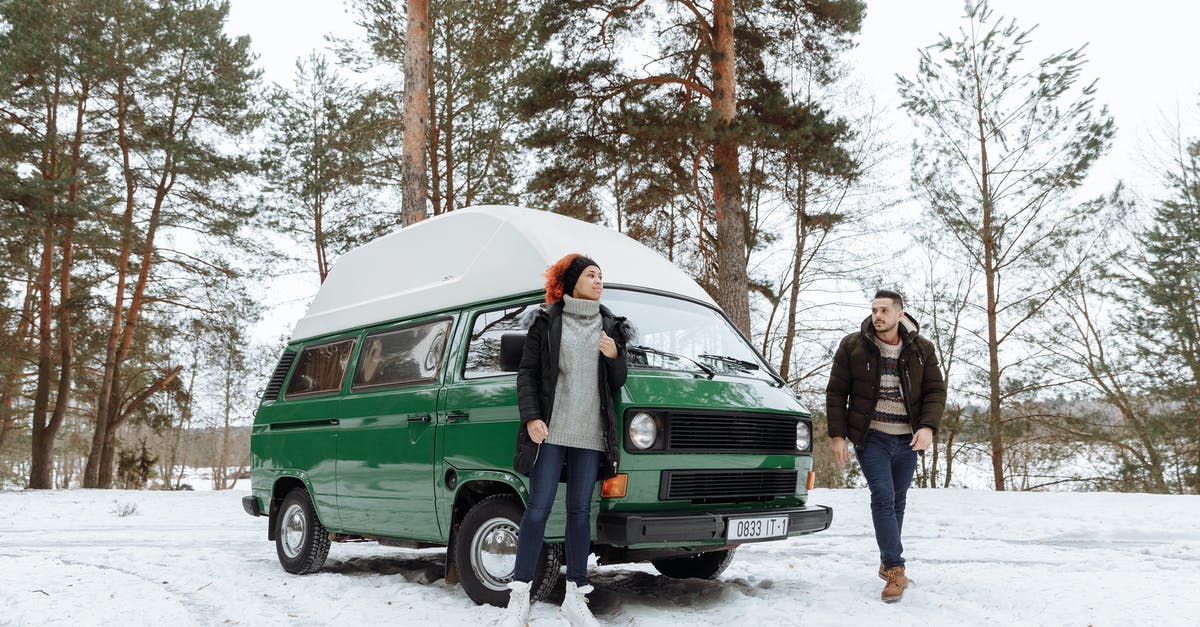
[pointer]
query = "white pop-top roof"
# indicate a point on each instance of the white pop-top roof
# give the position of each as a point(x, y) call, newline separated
point(473, 255)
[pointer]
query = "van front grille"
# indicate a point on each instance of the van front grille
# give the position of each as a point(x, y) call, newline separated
point(731, 433)
point(281, 370)
point(726, 485)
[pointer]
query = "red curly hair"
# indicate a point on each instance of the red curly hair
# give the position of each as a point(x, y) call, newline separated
point(554, 277)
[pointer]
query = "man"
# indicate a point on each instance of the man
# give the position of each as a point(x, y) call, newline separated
point(886, 395)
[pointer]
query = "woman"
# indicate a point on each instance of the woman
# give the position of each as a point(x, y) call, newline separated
point(571, 370)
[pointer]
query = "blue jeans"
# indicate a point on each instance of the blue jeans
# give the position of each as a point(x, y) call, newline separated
point(888, 464)
point(583, 468)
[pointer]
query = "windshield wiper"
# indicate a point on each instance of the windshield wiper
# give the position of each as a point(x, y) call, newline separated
point(654, 351)
point(733, 361)
point(743, 364)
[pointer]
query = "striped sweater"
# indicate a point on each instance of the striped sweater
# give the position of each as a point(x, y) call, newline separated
point(890, 415)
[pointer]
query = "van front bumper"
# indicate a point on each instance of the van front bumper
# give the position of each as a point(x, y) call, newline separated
point(628, 528)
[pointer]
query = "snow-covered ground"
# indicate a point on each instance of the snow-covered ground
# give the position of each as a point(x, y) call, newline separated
point(87, 557)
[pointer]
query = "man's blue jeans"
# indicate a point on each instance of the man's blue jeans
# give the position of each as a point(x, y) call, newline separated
point(888, 463)
point(583, 467)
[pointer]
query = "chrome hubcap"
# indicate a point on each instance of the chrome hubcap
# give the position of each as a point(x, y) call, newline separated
point(494, 552)
point(294, 525)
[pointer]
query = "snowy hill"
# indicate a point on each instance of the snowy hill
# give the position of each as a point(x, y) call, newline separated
point(84, 557)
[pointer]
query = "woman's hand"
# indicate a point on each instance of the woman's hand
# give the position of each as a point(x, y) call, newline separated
point(608, 346)
point(537, 430)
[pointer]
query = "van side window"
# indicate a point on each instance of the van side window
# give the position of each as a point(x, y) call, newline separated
point(403, 356)
point(320, 368)
point(483, 353)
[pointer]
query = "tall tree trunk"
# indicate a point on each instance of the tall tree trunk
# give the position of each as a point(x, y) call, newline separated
point(789, 339)
point(732, 286)
point(319, 237)
point(223, 458)
point(991, 278)
point(104, 400)
point(451, 161)
point(413, 180)
point(448, 127)
point(116, 414)
point(65, 340)
point(66, 351)
point(41, 467)
point(435, 143)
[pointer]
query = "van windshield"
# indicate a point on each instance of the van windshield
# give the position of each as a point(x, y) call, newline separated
point(675, 334)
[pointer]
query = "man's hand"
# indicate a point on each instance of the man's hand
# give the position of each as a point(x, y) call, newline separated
point(840, 449)
point(921, 439)
point(608, 346)
point(537, 430)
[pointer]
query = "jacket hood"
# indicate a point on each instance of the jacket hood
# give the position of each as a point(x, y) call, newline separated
point(624, 326)
point(908, 327)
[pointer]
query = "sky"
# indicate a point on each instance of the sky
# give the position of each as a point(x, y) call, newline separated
point(976, 557)
point(1143, 55)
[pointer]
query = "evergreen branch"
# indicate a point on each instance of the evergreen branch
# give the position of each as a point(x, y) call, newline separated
point(623, 8)
point(661, 79)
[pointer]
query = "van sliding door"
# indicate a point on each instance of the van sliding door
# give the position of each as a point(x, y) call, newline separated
point(386, 469)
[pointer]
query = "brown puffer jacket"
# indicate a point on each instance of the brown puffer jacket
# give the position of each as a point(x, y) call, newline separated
point(853, 386)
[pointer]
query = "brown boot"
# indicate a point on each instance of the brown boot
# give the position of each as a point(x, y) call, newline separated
point(896, 583)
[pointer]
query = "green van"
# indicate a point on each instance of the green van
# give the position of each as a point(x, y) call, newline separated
point(392, 413)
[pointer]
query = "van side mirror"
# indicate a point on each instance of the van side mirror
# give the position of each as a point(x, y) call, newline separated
point(512, 345)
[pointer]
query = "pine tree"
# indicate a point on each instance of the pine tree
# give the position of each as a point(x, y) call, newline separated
point(49, 61)
point(1002, 144)
point(709, 88)
point(181, 89)
point(1164, 276)
point(323, 133)
point(475, 48)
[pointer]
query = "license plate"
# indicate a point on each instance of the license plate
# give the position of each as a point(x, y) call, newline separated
point(756, 528)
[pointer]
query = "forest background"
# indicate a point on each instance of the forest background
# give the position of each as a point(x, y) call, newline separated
point(166, 211)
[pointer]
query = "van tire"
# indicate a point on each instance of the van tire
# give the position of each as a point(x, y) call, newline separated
point(495, 521)
point(698, 566)
point(301, 541)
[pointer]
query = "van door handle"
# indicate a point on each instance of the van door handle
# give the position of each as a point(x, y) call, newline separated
point(418, 418)
point(457, 416)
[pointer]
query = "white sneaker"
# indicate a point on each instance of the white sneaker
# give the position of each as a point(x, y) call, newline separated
point(574, 606)
point(516, 614)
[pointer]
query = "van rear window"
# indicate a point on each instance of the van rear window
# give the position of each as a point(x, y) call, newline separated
point(320, 369)
point(406, 355)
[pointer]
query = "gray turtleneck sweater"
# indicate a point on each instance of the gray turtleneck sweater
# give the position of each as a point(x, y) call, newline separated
point(575, 420)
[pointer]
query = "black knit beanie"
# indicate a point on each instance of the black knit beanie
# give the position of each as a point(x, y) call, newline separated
point(571, 276)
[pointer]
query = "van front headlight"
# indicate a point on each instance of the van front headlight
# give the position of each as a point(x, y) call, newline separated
point(643, 431)
point(803, 435)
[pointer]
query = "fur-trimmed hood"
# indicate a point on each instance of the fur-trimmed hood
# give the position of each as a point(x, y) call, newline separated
point(908, 327)
point(623, 325)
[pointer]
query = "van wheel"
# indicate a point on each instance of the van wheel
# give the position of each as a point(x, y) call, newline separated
point(698, 566)
point(485, 549)
point(300, 539)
